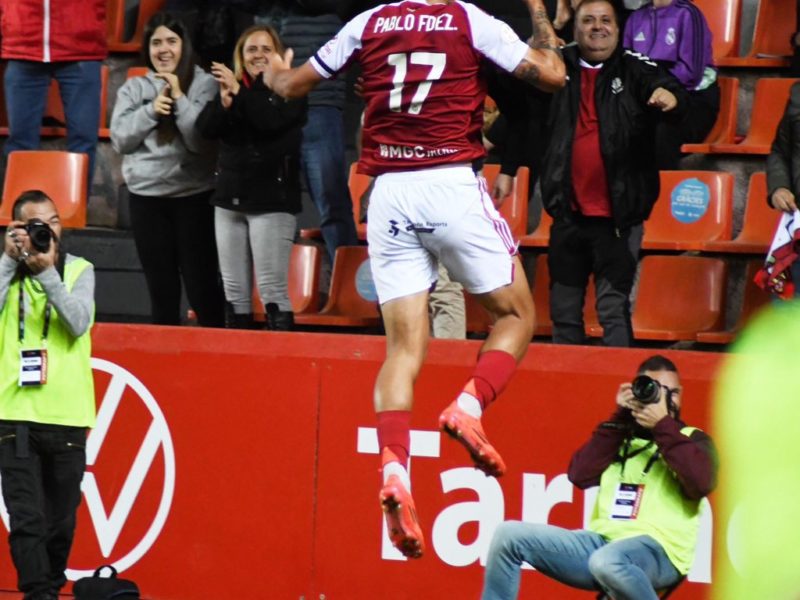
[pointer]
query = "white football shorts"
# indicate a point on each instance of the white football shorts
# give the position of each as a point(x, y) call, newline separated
point(444, 213)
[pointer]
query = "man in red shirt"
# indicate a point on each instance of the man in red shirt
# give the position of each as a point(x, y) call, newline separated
point(599, 175)
point(422, 133)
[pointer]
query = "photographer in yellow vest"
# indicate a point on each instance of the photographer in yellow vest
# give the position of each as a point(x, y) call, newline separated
point(46, 391)
point(652, 470)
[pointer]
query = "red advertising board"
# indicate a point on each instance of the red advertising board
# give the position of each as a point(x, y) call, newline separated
point(233, 465)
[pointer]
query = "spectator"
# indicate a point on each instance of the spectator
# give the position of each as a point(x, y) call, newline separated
point(47, 398)
point(66, 43)
point(169, 170)
point(599, 179)
point(305, 25)
point(258, 179)
point(783, 168)
point(644, 456)
point(428, 206)
point(675, 34)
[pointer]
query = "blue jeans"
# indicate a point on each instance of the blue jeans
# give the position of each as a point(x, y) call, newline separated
point(628, 569)
point(26, 87)
point(323, 161)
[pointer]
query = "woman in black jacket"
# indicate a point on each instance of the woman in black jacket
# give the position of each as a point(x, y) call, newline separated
point(258, 179)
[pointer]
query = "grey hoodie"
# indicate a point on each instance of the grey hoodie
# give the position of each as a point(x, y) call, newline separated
point(182, 167)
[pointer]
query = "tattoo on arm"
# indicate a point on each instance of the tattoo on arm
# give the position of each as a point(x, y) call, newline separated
point(543, 32)
point(527, 71)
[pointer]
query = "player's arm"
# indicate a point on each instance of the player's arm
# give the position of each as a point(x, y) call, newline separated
point(542, 66)
point(281, 78)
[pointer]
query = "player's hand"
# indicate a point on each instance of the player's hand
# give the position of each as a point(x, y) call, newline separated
point(163, 102)
point(174, 84)
point(277, 64)
point(358, 87)
point(16, 242)
point(663, 99)
point(501, 189)
point(784, 200)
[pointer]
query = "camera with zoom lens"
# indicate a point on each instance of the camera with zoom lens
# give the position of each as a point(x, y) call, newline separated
point(40, 234)
point(646, 389)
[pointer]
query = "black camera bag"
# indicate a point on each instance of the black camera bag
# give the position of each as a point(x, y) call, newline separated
point(98, 587)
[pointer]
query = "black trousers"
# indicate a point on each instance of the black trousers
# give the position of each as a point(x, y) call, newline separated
point(41, 479)
point(583, 246)
point(175, 239)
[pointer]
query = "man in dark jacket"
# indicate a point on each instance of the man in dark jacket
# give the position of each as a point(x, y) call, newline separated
point(599, 179)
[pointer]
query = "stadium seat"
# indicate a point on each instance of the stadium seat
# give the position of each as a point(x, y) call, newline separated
point(515, 208)
point(771, 47)
point(759, 223)
point(136, 72)
point(61, 175)
point(769, 103)
point(54, 111)
point(352, 301)
point(115, 19)
point(752, 299)
point(540, 290)
point(724, 130)
point(539, 237)
point(679, 297)
point(724, 20)
point(305, 264)
point(694, 207)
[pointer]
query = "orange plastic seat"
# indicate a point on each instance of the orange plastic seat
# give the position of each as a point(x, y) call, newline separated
point(771, 47)
point(539, 237)
point(515, 208)
point(540, 290)
point(694, 207)
point(305, 263)
point(769, 103)
point(724, 20)
point(115, 19)
point(724, 130)
point(759, 223)
point(352, 301)
point(136, 72)
point(54, 111)
point(679, 297)
point(753, 299)
point(61, 175)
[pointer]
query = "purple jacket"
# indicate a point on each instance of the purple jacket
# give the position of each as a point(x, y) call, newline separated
point(676, 36)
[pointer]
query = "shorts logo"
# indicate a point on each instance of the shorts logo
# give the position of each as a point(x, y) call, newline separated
point(394, 229)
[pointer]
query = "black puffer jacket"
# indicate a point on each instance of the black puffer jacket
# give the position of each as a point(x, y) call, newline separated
point(259, 152)
point(783, 162)
point(624, 85)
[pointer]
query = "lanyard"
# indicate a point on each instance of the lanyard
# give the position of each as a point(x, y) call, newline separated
point(626, 454)
point(48, 309)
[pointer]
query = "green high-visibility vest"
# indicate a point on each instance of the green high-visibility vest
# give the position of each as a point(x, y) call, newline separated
point(664, 514)
point(68, 396)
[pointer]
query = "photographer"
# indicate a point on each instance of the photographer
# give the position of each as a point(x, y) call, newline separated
point(46, 391)
point(653, 471)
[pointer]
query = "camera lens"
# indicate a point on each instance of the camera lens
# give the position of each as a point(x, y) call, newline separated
point(40, 234)
point(646, 389)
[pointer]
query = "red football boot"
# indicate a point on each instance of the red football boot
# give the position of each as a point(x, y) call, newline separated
point(468, 431)
point(401, 518)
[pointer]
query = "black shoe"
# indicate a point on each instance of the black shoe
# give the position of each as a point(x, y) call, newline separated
point(245, 321)
point(279, 320)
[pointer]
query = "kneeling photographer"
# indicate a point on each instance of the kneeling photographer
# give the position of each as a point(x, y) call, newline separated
point(652, 470)
point(46, 391)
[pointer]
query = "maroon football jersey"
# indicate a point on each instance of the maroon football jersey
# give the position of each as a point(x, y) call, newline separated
point(423, 91)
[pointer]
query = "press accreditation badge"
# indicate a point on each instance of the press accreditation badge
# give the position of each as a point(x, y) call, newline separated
point(627, 500)
point(33, 367)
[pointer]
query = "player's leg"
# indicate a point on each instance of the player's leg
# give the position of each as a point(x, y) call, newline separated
point(480, 252)
point(403, 272)
point(406, 323)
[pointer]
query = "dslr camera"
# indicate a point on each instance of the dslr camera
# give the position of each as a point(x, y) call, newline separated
point(646, 389)
point(40, 234)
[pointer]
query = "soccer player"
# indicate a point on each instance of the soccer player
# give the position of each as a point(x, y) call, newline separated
point(422, 133)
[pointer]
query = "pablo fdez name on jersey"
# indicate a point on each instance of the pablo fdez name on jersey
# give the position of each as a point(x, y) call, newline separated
point(412, 22)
